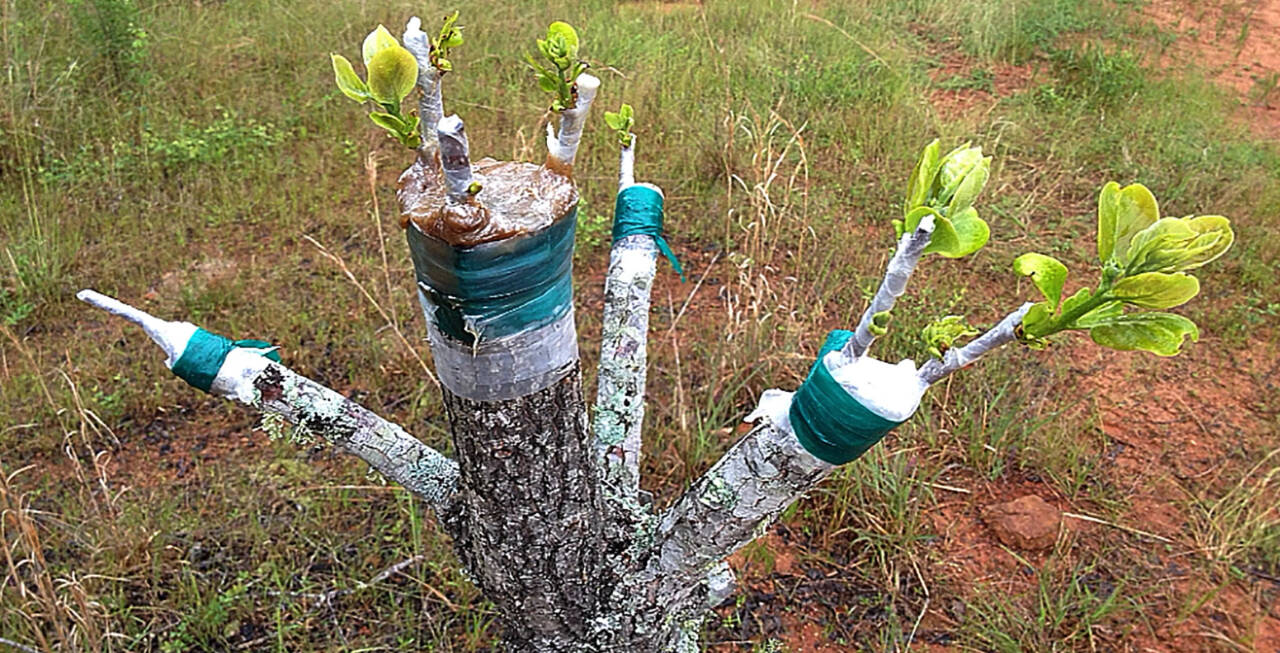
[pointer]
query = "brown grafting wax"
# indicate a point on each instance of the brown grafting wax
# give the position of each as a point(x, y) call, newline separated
point(515, 198)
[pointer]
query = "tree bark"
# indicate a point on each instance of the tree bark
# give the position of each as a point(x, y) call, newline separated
point(534, 514)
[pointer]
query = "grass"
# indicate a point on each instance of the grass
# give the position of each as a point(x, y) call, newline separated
point(1073, 607)
point(180, 155)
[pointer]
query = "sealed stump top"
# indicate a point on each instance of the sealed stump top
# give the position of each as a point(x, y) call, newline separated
point(515, 198)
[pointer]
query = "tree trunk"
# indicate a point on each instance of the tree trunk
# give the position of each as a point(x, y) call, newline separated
point(533, 513)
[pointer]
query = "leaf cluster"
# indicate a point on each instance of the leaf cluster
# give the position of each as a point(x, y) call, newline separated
point(393, 72)
point(940, 335)
point(450, 37)
point(1145, 259)
point(945, 187)
point(560, 50)
point(621, 123)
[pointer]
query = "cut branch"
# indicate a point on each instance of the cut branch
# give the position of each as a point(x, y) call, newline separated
point(901, 266)
point(1001, 334)
point(455, 158)
point(563, 148)
point(619, 407)
point(252, 379)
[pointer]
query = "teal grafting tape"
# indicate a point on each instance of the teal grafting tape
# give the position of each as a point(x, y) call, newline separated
point(828, 422)
point(497, 289)
point(205, 353)
point(638, 210)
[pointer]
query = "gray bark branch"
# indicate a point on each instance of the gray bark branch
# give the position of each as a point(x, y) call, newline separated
point(733, 503)
point(619, 407)
point(620, 393)
point(386, 447)
point(277, 390)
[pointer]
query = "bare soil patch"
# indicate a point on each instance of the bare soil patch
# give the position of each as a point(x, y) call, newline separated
point(1236, 44)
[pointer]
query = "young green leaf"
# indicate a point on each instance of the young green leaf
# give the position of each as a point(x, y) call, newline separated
point(377, 41)
point(388, 122)
point(410, 124)
point(1122, 213)
point(563, 33)
point(970, 185)
point(1159, 333)
point(946, 187)
point(958, 236)
point(953, 170)
point(921, 179)
point(1156, 289)
point(393, 72)
point(1079, 311)
point(880, 323)
point(1036, 325)
point(1101, 315)
point(1046, 272)
point(348, 82)
point(450, 36)
point(1178, 244)
point(1214, 239)
point(560, 48)
point(912, 221)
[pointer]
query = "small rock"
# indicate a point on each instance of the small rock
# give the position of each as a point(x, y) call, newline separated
point(1028, 523)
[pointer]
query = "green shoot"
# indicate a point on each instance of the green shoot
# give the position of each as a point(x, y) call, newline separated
point(560, 49)
point(880, 323)
point(946, 187)
point(1145, 259)
point(450, 37)
point(621, 123)
point(940, 335)
point(393, 72)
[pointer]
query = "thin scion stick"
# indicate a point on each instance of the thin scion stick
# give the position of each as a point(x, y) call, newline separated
point(627, 165)
point(1001, 334)
point(901, 266)
point(157, 329)
point(147, 321)
point(564, 148)
point(431, 104)
point(455, 157)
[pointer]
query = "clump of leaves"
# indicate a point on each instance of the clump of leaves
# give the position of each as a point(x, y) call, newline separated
point(560, 49)
point(946, 187)
point(941, 335)
point(393, 72)
point(621, 123)
point(1145, 259)
point(450, 37)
